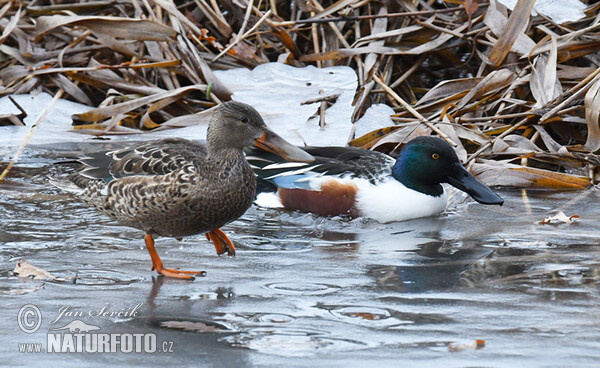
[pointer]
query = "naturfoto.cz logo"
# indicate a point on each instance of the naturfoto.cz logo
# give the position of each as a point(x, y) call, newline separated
point(78, 336)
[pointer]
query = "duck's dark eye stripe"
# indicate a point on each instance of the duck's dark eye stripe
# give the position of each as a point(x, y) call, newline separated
point(435, 156)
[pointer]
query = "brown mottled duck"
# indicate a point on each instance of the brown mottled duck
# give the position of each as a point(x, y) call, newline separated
point(176, 187)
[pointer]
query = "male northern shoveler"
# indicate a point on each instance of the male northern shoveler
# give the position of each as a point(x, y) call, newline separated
point(176, 187)
point(359, 182)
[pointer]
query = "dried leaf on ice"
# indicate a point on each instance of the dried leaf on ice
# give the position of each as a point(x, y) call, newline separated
point(477, 344)
point(27, 270)
point(559, 218)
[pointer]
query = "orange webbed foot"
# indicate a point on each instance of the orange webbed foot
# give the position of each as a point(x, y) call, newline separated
point(221, 242)
point(179, 274)
point(168, 272)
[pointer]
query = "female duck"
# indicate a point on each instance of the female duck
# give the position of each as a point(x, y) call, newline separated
point(176, 187)
point(359, 182)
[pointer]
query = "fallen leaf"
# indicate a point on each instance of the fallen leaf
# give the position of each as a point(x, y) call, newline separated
point(106, 112)
point(27, 270)
point(365, 315)
point(559, 218)
point(477, 344)
point(471, 6)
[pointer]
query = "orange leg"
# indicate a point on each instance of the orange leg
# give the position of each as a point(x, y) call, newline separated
point(158, 265)
point(221, 242)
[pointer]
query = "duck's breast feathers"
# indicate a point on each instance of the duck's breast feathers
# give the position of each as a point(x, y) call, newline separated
point(390, 201)
point(329, 161)
point(150, 158)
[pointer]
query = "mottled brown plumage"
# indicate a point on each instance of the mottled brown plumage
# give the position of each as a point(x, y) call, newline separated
point(171, 187)
point(176, 187)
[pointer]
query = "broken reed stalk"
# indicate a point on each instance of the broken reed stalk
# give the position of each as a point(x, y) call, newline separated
point(29, 134)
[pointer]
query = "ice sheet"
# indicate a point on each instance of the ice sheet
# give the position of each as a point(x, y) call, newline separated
point(560, 11)
point(278, 90)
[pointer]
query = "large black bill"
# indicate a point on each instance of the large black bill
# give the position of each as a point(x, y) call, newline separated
point(463, 180)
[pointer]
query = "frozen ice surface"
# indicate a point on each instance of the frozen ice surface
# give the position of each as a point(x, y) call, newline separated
point(57, 128)
point(376, 117)
point(54, 129)
point(277, 91)
point(560, 11)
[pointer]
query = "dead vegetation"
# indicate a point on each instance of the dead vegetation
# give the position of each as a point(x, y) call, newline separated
point(517, 95)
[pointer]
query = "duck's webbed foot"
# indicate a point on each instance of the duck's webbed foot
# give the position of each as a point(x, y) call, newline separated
point(168, 272)
point(221, 242)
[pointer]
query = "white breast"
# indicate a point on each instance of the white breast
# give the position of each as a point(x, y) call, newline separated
point(392, 201)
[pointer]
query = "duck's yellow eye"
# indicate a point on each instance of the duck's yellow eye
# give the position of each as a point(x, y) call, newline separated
point(435, 156)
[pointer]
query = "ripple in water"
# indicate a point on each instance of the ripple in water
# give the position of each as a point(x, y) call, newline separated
point(293, 288)
point(270, 318)
point(366, 316)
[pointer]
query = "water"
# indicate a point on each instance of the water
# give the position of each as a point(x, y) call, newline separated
point(308, 291)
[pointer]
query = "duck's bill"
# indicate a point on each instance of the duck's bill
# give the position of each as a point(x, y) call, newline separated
point(273, 143)
point(463, 180)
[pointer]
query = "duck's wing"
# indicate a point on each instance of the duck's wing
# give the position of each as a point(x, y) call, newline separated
point(352, 161)
point(329, 161)
point(150, 158)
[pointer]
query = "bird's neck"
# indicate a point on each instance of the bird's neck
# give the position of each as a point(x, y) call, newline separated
point(411, 176)
point(219, 153)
